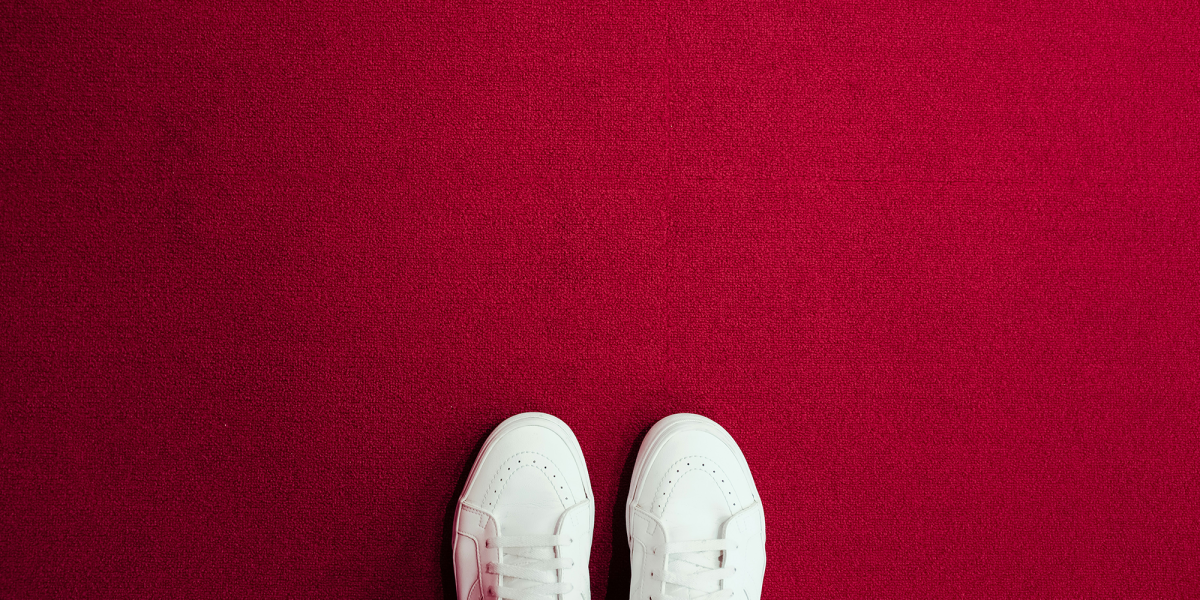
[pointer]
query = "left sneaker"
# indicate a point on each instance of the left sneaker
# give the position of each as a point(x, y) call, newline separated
point(695, 521)
point(523, 526)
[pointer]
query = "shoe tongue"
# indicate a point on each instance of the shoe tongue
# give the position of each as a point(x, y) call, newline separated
point(695, 511)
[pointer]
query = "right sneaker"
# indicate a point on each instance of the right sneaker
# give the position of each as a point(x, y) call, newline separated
point(695, 521)
point(523, 526)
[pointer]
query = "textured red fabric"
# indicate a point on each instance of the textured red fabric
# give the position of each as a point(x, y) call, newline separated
point(271, 272)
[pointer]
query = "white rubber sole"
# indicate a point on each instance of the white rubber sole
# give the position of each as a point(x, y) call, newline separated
point(653, 443)
point(550, 422)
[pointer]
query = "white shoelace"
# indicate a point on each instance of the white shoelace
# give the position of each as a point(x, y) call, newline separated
point(694, 567)
point(528, 566)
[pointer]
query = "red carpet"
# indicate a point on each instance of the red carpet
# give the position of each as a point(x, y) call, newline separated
point(271, 274)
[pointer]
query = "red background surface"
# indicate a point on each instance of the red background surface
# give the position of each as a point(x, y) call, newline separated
point(272, 272)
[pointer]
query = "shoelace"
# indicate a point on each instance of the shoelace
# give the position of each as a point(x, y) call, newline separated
point(528, 568)
point(692, 567)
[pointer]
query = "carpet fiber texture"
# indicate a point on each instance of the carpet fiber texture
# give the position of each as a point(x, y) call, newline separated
point(272, 272)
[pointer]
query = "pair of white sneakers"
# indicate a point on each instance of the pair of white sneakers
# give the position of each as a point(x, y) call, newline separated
point(523, 526)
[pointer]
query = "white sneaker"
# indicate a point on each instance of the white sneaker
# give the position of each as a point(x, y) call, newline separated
point(696, 525)
point(523, 527)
